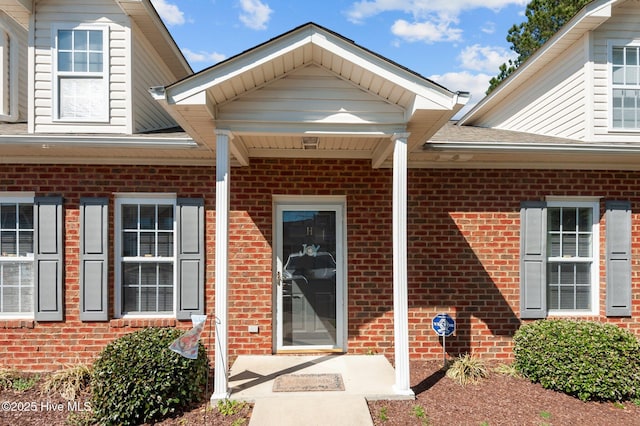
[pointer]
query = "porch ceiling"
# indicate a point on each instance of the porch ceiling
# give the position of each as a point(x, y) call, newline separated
point(309, 82)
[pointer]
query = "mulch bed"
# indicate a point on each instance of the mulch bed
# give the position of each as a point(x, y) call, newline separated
point(498, 400)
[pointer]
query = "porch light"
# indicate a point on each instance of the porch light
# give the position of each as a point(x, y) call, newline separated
point(309, 142)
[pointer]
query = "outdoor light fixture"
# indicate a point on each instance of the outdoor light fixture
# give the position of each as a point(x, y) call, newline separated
point(309, 142)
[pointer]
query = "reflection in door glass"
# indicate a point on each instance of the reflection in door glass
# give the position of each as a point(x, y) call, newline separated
point(309, 278)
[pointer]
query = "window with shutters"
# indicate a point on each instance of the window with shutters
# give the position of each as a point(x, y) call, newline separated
point(16, 257)
point(572, 272)
point(559, 257)
point(146, 255)
point(81, 87)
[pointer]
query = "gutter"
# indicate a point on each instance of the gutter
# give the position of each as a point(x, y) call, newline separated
point(100, 141)
point(538, 147)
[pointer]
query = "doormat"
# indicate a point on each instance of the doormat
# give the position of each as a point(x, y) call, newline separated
point(308, 383)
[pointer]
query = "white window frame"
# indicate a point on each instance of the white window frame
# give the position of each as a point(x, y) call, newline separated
point(611, 44)
point(140, 199)
point(9, 72)
point(594, 204)
point(100, 116)
point(12, 198)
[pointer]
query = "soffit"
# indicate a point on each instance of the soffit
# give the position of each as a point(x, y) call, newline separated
point(19, 10)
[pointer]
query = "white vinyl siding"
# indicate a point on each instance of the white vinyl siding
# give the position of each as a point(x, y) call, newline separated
point(309, 95)
point(13, 69)
point(148, 71)
point(572, 96)
point(552, 103)
point(71, 14)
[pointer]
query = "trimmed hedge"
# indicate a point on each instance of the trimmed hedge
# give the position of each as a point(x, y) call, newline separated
point(589, 360)
point(138, 379)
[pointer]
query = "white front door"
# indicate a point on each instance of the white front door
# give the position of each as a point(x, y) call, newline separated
point(309, 277)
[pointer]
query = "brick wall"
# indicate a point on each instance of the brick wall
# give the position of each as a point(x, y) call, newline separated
point(463, 248)
point(39, 346)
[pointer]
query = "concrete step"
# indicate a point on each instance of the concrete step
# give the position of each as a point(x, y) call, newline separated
point(314, 410)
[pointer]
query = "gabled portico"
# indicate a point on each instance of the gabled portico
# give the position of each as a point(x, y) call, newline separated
point(311, 93)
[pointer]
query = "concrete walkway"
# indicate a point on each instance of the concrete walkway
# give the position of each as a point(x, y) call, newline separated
point(365, 377)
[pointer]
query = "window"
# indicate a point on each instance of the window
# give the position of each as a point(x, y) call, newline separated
point(570, 256)
point(146, 255)
point(625, 78)
point(31, 257)
point(81, 74)
point(16, 257)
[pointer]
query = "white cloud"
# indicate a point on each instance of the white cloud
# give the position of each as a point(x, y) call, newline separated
point(428, 32)
point(255, 14)
point(170, 13)
point(432, 20)
point(210, 57)
point(475, 84)
point(484, 58)
point(364, 9)
point(488, 28)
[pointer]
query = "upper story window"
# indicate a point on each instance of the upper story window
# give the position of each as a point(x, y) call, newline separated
point(81, 77)
point(16, 257)
point(625, 78)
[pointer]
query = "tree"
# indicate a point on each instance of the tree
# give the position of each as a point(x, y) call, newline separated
point(544, 19)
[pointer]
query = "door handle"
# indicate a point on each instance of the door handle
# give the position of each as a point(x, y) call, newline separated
point(278, 278)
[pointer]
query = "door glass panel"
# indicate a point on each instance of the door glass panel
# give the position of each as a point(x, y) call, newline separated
point(309, 278)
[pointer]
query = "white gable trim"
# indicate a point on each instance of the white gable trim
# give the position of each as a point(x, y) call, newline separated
point(309, 37)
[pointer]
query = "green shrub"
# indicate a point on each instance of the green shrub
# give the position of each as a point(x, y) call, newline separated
point(138, 379)
point(589, 360)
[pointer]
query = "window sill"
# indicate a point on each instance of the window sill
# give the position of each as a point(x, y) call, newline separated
point(142, 322)
point(17, 323)
point(575, 314)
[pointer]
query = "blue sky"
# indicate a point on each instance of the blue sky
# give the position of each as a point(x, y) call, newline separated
point(457, 43)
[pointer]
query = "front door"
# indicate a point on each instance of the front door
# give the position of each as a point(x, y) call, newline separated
point(309, 277)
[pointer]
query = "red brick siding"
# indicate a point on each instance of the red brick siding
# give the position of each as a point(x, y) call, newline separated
point(38, 346)
point(463, 248)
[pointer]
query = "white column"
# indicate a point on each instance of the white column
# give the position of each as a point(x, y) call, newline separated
point(221, 372)
point(400, 297)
